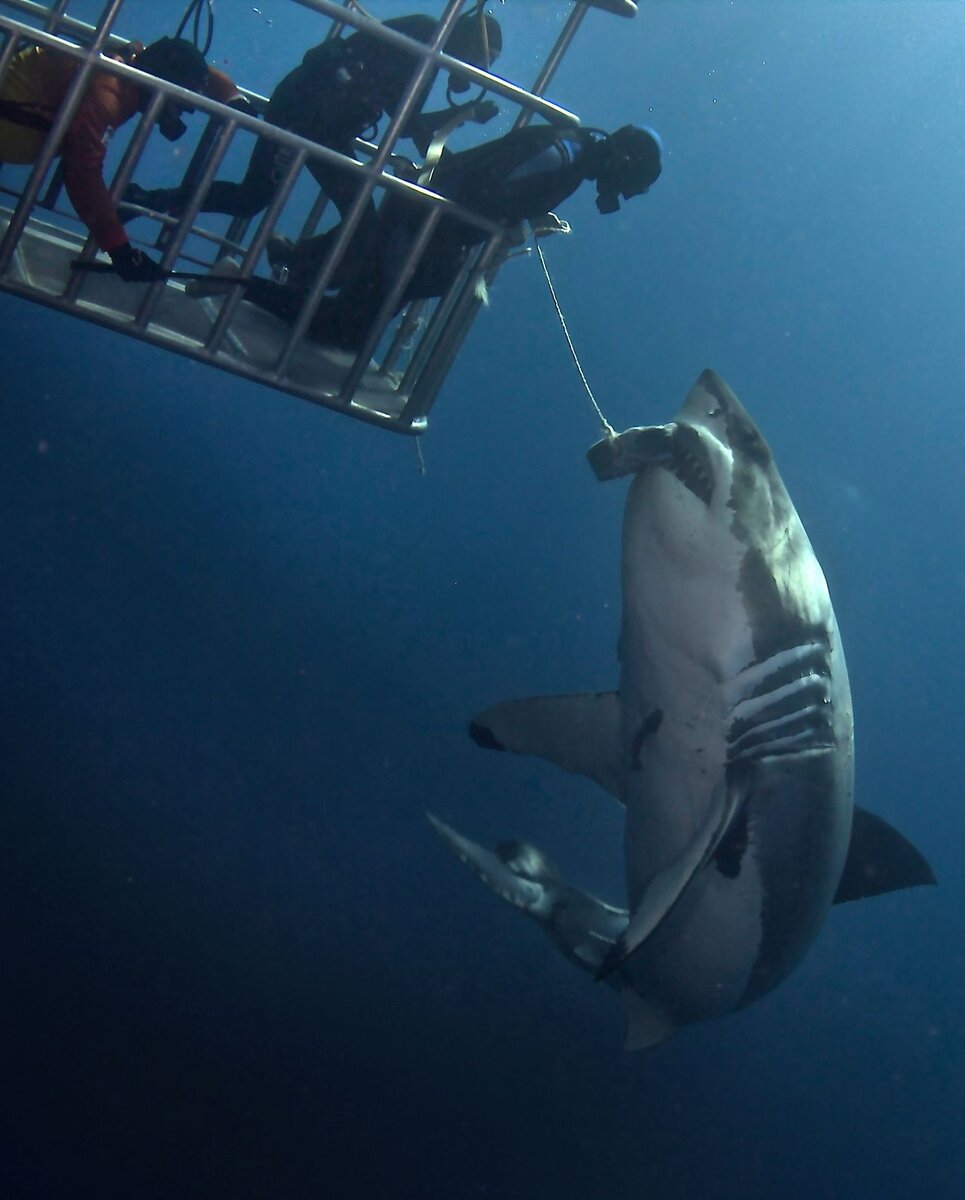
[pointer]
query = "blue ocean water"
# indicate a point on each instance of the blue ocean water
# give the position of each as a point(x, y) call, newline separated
point(242, 638)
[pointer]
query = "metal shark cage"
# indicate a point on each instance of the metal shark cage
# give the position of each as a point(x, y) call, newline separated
point(394, 378)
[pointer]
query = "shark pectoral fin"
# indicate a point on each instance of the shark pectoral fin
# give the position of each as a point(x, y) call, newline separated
point(647, 1024)
point(580, 733)
point(880, 860)
point(523, 894)
point(631, 451)
point(668, 885)
point(659, 898)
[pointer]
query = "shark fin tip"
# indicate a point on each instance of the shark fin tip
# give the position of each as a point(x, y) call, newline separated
point(483, 736)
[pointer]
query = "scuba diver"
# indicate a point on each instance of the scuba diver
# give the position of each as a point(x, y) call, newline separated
point(31, 93)
point(521, 176)
point(339, 93)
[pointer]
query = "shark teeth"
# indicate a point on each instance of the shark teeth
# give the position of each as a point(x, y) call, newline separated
point(690, 463)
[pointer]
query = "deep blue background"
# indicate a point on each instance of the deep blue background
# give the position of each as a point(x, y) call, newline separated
point(242, 636)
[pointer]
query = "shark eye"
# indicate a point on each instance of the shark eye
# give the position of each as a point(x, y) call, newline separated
point(716, 412)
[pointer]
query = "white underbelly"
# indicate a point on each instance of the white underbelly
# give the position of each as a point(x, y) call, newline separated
point(701, 960)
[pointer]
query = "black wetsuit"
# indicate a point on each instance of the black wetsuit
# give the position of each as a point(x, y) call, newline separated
point(341, 90)
point(522, 175)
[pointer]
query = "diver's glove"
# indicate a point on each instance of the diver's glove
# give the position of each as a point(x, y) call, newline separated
point(134, 266)
point(483, 111)
point(424, 127)
point(549, 223)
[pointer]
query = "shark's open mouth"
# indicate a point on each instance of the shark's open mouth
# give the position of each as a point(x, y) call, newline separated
point(689, 462)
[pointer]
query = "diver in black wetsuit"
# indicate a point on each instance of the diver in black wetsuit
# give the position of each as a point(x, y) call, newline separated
point(341, 91)
point(520, 176)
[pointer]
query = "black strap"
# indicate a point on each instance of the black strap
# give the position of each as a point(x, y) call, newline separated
point(31, 115)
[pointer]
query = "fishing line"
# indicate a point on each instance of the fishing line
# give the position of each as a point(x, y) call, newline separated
point(607, 427)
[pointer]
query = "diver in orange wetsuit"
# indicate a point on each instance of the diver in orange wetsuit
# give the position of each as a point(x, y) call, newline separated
point(31, 93)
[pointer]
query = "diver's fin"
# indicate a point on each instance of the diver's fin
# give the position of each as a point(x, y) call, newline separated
point(880, 859)
point(580, 733)
point(667, 886)
point(523, 894)
point(647, 1024)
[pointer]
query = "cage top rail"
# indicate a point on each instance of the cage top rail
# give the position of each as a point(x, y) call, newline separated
point(538, 105)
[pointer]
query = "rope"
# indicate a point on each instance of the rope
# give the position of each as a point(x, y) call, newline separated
point(607, 427)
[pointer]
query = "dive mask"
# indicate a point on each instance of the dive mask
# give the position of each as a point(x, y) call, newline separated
point(169, 123)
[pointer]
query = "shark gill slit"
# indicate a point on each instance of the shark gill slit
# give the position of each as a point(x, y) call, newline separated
point(809, 729)
point(762, 711)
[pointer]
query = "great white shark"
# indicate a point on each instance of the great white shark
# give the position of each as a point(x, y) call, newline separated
point(729, 740)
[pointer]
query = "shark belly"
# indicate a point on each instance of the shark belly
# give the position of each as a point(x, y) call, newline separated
point(750, 914)
point(722, 727)
point(682, 636)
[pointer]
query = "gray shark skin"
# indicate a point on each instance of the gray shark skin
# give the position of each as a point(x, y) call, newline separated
point(729, 740)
